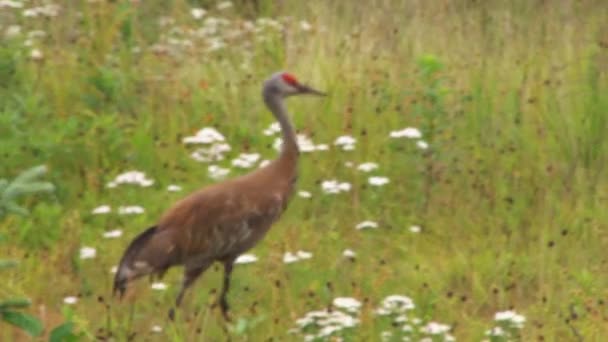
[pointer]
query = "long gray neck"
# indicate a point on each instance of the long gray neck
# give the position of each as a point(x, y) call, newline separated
point(275, 103)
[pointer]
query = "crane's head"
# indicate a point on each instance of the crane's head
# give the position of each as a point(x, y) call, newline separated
point(284, 84)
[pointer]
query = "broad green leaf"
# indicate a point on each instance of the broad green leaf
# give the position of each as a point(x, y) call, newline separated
point(3, 184)
point(8, 264)
point(241, 326)
point(27, 322)
point(30, 174)
point(63, 333)
point(14, 208)
point(17, 189)
point(15, 303)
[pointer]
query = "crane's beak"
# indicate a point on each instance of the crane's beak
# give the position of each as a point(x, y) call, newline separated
point(304, 89)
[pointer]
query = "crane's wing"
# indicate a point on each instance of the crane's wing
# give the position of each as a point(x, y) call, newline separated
point(215, 223)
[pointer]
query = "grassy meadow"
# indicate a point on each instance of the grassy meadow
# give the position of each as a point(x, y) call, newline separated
point(501, 204)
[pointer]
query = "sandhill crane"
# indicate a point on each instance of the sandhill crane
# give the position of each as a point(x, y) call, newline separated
point(221, 221)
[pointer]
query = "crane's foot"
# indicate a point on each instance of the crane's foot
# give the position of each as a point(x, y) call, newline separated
point(226, 316)
point(224, 307)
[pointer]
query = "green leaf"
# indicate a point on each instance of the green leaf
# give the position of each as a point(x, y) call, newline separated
point(63, 333)
point(28, 323)
point(7, 264)
point(30, 174)
point(15, 303)
point(3, 184)
point(241, 326)
point(17, 189)
point(14, 208)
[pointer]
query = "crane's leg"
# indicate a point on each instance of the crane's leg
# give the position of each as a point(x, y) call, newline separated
point(191, 273)
point(222, 300)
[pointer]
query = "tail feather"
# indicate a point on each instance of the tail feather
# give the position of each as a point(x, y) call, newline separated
point(146, 254)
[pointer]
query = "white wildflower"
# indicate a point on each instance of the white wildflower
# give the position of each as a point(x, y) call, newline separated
point(378, 181)
point(215, 152)
point(510, 317)
point(113, 269)
point(224, 5)
point(246, 259)
point(328, 330)
point(304, 194)
point(49, 10)
point(70, 300)
point(174, 188)
point(206, 135)
point(496, 331)
point(504, 315)
point(346, 142)
point(305, 25)
point(409, 132)
point(415, 229)
point(102, 209)
point(131, 177)
point(112, 234)
point(366, 224)
point(87, 252)
point(347, 303)
point(349, 253)
point(217, 172)
point(423, 145)
point(303, 255)
point(266, 22)
point(272, 129)
point(245, 160)
point(10, 4)
point(289, 257)
point(36, 55)
point(12, 31)
point(367, 167)
point(130, 210)
point(518, 320)
point(197, 13)
point(156, 328)
point(158, 286)
point(30, 12)
point(334, 187)
point(396, 304)
point(434, 328)
point(386, 336)
point(215, 44)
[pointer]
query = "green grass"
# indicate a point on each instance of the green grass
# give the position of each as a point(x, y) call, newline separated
point(511, 195)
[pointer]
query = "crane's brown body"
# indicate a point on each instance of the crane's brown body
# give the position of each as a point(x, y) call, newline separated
point(219, 222)
point(222, 221)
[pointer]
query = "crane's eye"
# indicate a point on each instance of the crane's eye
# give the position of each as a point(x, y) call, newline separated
point(289, 79)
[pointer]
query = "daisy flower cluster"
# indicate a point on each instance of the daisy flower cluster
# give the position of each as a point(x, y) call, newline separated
point(507, 328)
point(340, 320)
point(329, 324)
point(398, 310)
